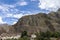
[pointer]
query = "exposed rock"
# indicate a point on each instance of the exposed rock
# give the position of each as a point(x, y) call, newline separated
point(5, 28)
point(39, 22)
point(34, 23)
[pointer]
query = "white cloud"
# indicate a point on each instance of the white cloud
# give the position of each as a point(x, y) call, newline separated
point(10, 10)
point(14, 15)
point(7, 12)
point(9, 15)
point(14, 22)
point(51, 5)
point(1, 21)
point(18, 16)
point(23, 3)
point(3, 8)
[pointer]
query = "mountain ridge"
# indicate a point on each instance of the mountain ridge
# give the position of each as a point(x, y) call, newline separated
point(39, 22)
point(34, 23)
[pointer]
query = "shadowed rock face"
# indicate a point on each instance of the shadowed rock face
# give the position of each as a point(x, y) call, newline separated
point(59, 9)
point(39, 22)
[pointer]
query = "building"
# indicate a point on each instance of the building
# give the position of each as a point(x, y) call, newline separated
point(33, 36)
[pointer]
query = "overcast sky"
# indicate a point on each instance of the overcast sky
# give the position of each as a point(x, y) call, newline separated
point(12, 10)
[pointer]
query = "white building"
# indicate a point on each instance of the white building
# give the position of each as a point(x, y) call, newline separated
point(33, 36)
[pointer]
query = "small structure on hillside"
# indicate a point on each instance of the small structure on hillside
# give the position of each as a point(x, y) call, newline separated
point(33, 36)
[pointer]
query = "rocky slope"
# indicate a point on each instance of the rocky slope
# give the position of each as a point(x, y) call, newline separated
point(5, 28)
point(34, 23)
point(39, 22)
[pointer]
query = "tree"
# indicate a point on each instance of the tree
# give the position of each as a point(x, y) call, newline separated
point(56, 34)
point(40, 36)
point(48, 35)
point(24, 38)
point(24, 33)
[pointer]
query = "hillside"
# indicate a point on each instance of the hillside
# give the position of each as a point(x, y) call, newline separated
point(5, 28)
point(39, 22)
point(34, 23)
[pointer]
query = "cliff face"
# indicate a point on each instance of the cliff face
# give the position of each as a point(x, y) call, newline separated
point(39, 22)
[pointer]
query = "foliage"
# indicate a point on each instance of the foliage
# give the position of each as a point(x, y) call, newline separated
point(24, 33)
point(40, 36)
point(56, 34)
point(12, 39)
point(24, 38)
point(47, 35)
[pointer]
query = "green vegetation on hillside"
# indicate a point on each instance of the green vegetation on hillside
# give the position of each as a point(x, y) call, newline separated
point(40, 36)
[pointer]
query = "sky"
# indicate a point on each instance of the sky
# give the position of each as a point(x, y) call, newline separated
point(12, 10)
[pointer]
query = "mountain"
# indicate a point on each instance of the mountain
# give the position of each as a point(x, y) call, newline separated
point(34, 23)
point(5, 28)
point(39, 22)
